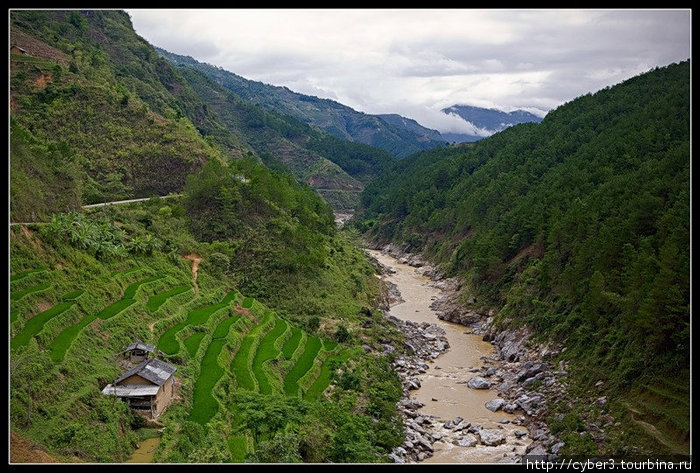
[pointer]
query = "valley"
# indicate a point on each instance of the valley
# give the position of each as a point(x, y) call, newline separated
point(209, 269)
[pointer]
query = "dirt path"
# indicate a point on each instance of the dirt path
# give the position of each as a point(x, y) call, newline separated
point(196, 259)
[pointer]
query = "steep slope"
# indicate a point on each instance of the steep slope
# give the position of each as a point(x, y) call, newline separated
point(332, 117)
point(93, 97)
point(578, 226)
point(336, 169)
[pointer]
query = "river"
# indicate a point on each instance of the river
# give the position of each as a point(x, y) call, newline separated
point(445, 380)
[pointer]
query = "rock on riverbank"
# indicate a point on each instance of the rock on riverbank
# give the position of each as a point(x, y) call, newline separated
point(525, 378)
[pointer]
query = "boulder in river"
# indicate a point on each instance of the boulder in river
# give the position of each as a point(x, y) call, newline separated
point(478, 382)
point(495, 404)
point(469, 440)
point(491, 437)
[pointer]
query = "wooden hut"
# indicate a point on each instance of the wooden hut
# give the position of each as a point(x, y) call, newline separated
point(139, 351)
point(148, 387)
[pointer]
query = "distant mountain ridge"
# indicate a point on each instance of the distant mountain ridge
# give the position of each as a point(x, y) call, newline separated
point(490, 120)
point(382, 131)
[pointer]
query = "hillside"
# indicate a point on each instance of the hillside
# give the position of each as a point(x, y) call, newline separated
point(91, 101)
point(111, 120)
point(337, 119)
point(242, 280)
point(335, 168)
point(578, 227)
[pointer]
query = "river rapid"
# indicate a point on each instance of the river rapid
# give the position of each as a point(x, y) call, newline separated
point(443, 386)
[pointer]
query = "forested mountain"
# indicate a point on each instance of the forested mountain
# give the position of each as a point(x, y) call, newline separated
point(56, 81)
point(578, 226)
point(328, 115)
point(488, 119)
point(243, 281)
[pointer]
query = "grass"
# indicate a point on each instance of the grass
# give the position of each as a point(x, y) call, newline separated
point(59, 346)
point(303, 364)
point(240, 366)
point(290, 346)
point(73, 295)
point(125, 271)
point(113, 309)
point(193, 341)
point(238, 446)
point(130, 291)
point(36, 323)
point(247, 303)
point(222, 329)
point(157, 300)
point(15, 296)
point(169, 344)
point(324, 378)
point(24, 274)
point(204, 404)
point(267, 351)
point(14, 315)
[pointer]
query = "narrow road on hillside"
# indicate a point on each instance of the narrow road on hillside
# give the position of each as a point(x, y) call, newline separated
point(104, 204)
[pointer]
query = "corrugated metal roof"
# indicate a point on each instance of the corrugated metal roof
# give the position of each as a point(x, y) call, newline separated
point(130, 391)
point(139, 345)
point(155, 371)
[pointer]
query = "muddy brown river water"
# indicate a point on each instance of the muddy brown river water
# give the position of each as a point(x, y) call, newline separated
point(446, 378)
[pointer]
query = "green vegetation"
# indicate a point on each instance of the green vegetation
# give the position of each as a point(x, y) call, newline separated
point(15, 296)
point(98, 116)
point(303, 364)
point(267, 351)
point(204, 405)
point(334, 118)
point(193, 341)
point(578, 227)
point(154, 302)
point(36, 323)
point(23, 274)
point(290, 346)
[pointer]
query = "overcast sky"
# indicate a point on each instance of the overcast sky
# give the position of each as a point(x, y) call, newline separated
point(416, 62)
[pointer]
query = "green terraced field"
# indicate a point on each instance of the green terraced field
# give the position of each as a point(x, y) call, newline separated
point(125, 271)
point(13, 315)
point(238, 446)
point(24, 274)
point(73, 295)
point(222, 329)
point(290, 346)
point(130, 291)
point(15, 296)
point(304, 363)
point(267, 351)
point(324, 378)
point(59, 346)
point(36, 323)
point(241, 363)
point(193, 341)
point(157, 300)
point(115, 308)
point(247, 303)
point(204, 404)
point(169, 344)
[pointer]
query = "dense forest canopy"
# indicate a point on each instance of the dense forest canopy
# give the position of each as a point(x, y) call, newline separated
point(578, 226)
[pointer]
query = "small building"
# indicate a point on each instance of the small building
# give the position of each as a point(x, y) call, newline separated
point(17, 50)
point(139, 351)
point(148, 387)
